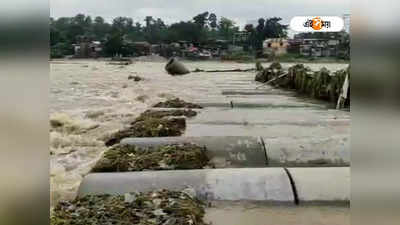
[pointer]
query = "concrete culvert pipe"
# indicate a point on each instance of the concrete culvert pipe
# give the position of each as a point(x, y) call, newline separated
point(292, 185)
point(308, 152)
point(174, 67)
point(224, 152)
point(258, 184)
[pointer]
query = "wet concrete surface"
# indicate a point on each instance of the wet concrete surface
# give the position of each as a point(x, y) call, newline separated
point(237, 106)
point(241, 213)
point(293, 127)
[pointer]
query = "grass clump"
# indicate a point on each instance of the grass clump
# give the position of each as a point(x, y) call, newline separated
point(124, 158)
point(150, 127)
point(158, 207)
point(154, 123)
point(165, 113)
point(177, 103)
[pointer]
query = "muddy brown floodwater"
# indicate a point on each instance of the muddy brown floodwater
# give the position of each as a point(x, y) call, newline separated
point(91, 99)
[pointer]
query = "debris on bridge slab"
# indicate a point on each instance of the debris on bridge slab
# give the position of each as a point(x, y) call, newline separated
point(124, 158)
point(322, 84)
point(264, 75)
point(158, 207)
point(165, 113)
point(150, 127)
point(259, 66)
point(157, 123)
point(174, 67)
point(177, 103)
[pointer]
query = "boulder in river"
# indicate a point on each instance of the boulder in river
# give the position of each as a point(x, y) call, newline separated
point(174, 67)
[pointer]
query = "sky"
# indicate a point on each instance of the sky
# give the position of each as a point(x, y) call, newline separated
point(170, 11)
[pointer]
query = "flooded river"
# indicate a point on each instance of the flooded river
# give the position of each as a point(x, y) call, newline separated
point(95, 99)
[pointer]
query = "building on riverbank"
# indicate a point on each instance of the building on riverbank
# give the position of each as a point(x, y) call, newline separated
point(275, 46)
point(87, 48)
point(319, 47)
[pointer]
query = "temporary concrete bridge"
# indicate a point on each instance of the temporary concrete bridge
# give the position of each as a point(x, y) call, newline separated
point(266, 144)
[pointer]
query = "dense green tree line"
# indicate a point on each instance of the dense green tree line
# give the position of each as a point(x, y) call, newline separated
point(64, 31)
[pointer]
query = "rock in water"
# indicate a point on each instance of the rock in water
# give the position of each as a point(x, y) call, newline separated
point(177, 103)
point(174, 67)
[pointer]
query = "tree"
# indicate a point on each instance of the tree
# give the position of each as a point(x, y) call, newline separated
point(227, 28)
point(137, 33)
point(100, 28)
point(114, 45)
point(88, 22)
point(79, 20)
point(99, 20)
point(149, 20)
point(156, 32)
point(260, 26)
point(270, 28)
point(249, 28)
point(273, 28)
point(201, 19)
point(213, 21)
point(258, 36)
point(55, 36)
point(188, 31)
point(122, 25)
point(252, 39)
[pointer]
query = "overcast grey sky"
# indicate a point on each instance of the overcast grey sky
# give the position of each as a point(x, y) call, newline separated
point(241, 11)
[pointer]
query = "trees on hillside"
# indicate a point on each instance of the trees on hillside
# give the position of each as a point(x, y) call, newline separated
point(202, 27)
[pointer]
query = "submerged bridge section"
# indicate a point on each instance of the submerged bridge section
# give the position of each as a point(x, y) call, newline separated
point(266, 144)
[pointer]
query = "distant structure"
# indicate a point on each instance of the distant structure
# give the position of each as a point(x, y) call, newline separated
point(240, 37)
point(275, 46)
point(141, 48)
point(319, 47)
point(347, 22)
point(87, 48)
